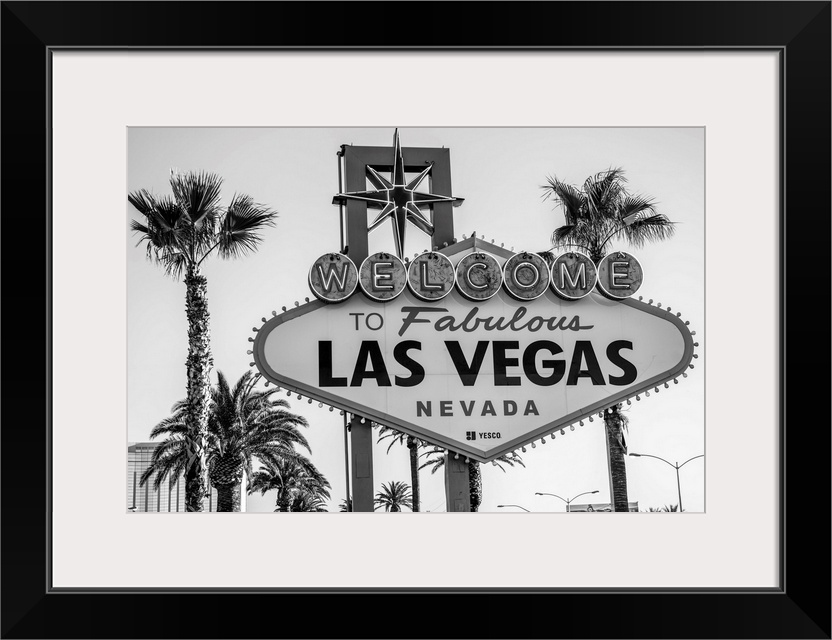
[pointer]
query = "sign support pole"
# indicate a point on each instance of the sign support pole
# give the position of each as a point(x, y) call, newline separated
point(356, 245)
point(348, 497)
point(355, 242)
point(609, 465)
point(362, 464)
point(457, 487)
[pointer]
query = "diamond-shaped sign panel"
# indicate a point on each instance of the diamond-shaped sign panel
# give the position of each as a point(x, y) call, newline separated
point(481, 378)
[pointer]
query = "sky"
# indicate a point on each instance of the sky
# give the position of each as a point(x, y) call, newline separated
point(499, 172)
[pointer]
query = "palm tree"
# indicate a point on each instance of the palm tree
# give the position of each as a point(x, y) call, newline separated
point(394, 496)
point(308, 501)
point(180, 232)
point(243, 423)
point(602, 211)
point(413, 445)
point(672, 507)
point(598, 213)
point(290, 477)
point(346, 505)
point(436, 461)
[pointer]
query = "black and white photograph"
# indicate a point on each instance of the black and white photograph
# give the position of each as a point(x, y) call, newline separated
point(475, 330)
point(416, 320)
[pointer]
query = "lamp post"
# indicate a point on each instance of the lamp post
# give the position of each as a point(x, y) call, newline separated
point(676, 466)
point(568, 502)
point(500, 506)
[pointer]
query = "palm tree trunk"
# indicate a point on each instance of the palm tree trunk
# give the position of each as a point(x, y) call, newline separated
point(283, 501)
point(616, 450)
point(228, 496)
point(413, 446)
point(615, 438)
point(475, 484)
point(198, 363)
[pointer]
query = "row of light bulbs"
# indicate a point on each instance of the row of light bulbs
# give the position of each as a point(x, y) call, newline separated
point(523, 448)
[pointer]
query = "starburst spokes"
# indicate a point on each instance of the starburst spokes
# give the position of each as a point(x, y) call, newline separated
point(397, 199)
point(417, 219)
point(418, 179)
point(379, 181)
point(388, 210)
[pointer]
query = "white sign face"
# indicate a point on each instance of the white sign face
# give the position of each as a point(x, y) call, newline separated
point(481, 378)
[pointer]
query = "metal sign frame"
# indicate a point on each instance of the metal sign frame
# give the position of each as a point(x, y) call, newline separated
point(356, 161)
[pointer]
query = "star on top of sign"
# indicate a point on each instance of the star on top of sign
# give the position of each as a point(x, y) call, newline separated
point(398, 200)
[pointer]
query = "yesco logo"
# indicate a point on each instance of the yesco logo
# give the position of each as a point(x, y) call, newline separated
point(472, 435)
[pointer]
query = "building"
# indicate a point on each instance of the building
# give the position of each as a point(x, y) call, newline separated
point(170, 496)
point(599, 507)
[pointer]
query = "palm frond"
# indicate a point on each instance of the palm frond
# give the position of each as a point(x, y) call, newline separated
point(567, 197)
point(396, 437)
point(308, 501)
point(172, 447)
point(637, 205)
point(291, 478)
point(168, 460)
point(172, 426)
point(652, 228)
point(603, 191)
point(435, 459)
point(240, 227)
point(144, 202)
point(162, 213)
point(197, 195)
point(174, 264)
point(164, 231)
point(547, 256)
point(287, 462)
point(563, 234)
point(510, 459)
point(138, 227)
point(261, 481)
point(578, 236)
point(284, 431)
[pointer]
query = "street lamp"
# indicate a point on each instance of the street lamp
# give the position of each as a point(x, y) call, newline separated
point(676, 466)
point(500, 506)
point(568, 502)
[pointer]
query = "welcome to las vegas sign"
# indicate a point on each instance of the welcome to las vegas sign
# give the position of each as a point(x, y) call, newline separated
point(472, 347)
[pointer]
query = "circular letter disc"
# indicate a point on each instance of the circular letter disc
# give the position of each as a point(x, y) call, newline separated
point(573, 275)
point(431, 276)
point(333, 277)
point(478, 276)
point(382, 276)
point(526, 276)
point(619, 275)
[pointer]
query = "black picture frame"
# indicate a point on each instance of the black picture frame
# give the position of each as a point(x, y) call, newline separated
point(799, 608)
